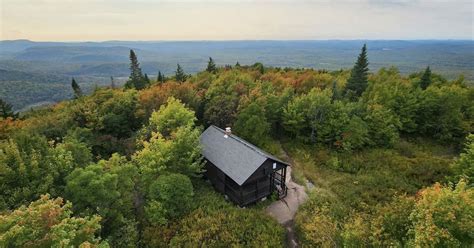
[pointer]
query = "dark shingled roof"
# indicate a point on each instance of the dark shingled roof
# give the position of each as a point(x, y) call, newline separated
point(236, 157)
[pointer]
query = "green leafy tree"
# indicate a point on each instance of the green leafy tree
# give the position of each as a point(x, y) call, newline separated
point(92, 188)
point(425, 80)
point(275, 104)
point(179, 154)
point(383, 126)
point(77, 90)
point(391, 223)
point(136, 80)
point(443, 217)
point(389, 89)
point(313, 118)
point(6, 110)
point(180, 75)
point(112, 116)
point(252, 125)
point(106, 189)
point(295, 117)
point(49, 223)
point(221, 110)
point(357, 82)
point(355, 134)
point(463, 167)
point(30, 167)
point(170, 196)
point(211, 66)
point(80, 151)
point(170, 117)
point(445, 112)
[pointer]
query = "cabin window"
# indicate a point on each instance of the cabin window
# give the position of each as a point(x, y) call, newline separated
point(274, 165)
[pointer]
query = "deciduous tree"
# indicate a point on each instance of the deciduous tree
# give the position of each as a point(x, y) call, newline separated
point(49, 223)
point(252, 125)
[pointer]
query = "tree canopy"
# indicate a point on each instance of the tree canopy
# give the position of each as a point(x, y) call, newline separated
point(386, 156)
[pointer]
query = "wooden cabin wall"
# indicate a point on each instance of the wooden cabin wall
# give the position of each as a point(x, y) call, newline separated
point(257, 186)
point(216, 176)
point(265, 170)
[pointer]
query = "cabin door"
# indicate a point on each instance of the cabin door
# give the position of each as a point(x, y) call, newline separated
point(278, 178)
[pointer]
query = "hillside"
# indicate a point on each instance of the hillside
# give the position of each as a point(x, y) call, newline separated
point(387, 160)
point(99, 60)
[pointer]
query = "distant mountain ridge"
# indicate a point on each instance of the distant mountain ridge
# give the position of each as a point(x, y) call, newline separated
point(98, 61)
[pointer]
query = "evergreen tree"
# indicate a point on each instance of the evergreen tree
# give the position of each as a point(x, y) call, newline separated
point(160, 77)
point(112, 82)
point(163, 78)
point(6, 110)
point(426, 78)
point(335, 92)
point(357, 82)
point(180, 75)
point(77, 90)
point(136, 79)
point(147, 80)
point(237, 64)
point(135, 70)
point(211, 66)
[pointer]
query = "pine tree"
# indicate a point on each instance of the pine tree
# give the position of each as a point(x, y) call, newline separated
point(135, 70)
point(163, 78)
point(211, 66)
point(358, 81)
point(6, 110)
point(426, 78)
point(77, 90)
point(147, 80)
point(159, 78)
point(335, 92)
point(112, 82)
point(180, 75)
point(136, 79)
point(237, 64)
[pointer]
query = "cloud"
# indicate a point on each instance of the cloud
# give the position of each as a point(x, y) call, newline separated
point(237, 19)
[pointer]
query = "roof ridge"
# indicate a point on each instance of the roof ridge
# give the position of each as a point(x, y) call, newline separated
point(251, 146)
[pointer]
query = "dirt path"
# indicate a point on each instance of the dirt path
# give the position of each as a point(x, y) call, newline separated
point(284, 210)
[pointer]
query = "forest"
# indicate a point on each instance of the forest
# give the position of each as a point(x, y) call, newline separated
point(36, 73)
point(391, 158)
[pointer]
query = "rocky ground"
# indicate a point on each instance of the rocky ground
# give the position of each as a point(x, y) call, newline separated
point(284, 210)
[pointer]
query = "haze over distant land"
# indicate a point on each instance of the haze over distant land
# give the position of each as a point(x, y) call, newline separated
point(35, 72)
point(87, 20)
point(36, 52)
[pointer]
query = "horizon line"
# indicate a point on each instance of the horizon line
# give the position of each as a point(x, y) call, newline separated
point(233, 40)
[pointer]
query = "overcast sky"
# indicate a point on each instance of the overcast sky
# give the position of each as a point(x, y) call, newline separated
point(81, 20)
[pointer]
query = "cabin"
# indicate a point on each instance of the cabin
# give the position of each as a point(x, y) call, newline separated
point(240, 170)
